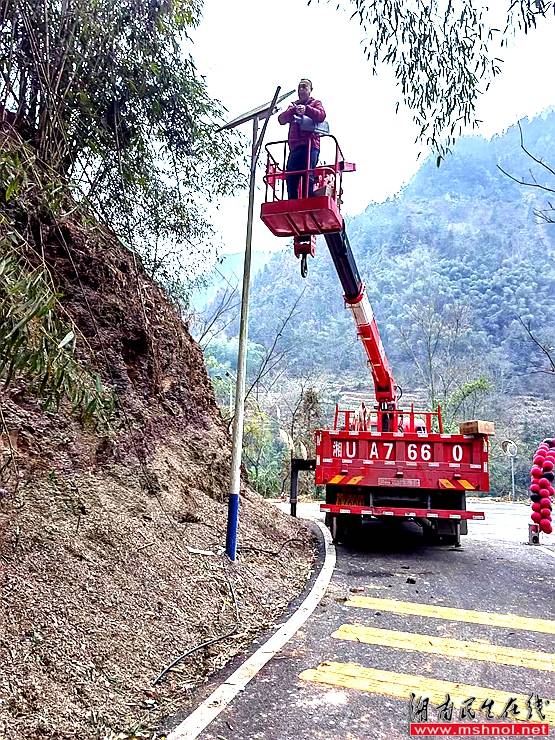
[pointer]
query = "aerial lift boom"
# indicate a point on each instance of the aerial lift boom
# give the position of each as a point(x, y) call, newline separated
point(356, 299)
point(386, 462)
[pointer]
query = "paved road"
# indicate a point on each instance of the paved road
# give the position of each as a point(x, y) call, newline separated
point(504, 522)
point(402, 617)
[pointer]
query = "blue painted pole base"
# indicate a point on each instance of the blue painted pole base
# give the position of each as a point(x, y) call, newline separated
point(232, 522)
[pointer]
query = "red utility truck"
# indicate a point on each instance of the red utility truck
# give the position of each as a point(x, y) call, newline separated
point(380, 462)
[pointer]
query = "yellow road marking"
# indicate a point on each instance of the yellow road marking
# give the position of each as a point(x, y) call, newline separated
point(447, 646)
point(446, 483)
point(512, 621)
point(401, 685)
point(336, 479)
point(466, 484)
point(355, 480)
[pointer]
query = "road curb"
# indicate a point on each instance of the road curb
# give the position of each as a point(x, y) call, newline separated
point(205, 713)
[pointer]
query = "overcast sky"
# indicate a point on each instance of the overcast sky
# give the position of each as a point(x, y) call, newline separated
point(245, 48)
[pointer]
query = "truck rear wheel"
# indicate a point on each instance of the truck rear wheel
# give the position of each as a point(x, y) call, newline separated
point(430, 534)
point(442, 533)
point(335, 528)
point(453, 540)
point(339, 528)
point(343, 527)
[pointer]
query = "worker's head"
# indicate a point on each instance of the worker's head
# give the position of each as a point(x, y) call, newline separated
point(304, 89)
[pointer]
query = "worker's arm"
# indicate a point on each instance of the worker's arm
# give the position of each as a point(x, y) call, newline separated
point(287, 115)
point(315, 111)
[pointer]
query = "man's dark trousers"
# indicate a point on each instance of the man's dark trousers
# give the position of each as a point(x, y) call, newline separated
point(298, 160)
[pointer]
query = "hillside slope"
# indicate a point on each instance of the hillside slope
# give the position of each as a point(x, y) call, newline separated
point(110, 558)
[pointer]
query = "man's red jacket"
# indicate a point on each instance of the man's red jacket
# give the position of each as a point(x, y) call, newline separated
point(313, 109)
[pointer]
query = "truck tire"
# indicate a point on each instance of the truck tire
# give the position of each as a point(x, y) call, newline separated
point(338, 528)
point(430, 535)
point(334, 528)
point(452, 540)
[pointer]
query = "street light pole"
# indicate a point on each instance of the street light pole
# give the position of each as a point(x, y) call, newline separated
point(239, 416)
point(510, 449)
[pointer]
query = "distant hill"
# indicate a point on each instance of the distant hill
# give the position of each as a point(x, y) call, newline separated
point(461, 237)
point(229, 269)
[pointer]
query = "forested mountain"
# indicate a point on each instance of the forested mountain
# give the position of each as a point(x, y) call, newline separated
point(229, 270)
point(461, 250)
point(457, 266)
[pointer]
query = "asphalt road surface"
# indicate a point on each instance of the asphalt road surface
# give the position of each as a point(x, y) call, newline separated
point(401, 617)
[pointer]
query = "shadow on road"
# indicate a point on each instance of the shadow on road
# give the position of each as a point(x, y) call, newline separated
point(388, 537)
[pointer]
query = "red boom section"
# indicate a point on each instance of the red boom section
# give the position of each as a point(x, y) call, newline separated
point(384, 383)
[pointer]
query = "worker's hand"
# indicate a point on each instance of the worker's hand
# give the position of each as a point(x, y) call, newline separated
point(301, 110)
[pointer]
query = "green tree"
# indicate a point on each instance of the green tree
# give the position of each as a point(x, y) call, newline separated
point(109, 98)
point(437, 336)
point(262, 451)
point(444, 54)
point(305, 419)
point(102, 108)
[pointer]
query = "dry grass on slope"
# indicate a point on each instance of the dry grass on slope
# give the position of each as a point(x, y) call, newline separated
point(101, 581)
point(102, 587)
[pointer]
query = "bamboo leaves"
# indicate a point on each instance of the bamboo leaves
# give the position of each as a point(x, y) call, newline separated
point(11, 189)
point(37, 347)
point(109, 98)
point(443, 55)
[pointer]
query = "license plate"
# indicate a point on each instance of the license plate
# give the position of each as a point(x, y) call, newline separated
point(399, 482)
point(344, 499)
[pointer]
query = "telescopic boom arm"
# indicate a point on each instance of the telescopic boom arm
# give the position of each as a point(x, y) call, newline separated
point(357, 300)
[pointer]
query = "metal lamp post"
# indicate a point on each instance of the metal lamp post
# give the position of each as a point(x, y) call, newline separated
point(510, 449)
point(262, 112)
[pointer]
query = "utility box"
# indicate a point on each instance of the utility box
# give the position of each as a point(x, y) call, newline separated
point(326, 190)
point(477, 427)
point(533, 534)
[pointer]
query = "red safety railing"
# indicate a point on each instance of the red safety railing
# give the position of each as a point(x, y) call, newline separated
point(409, 421)
point(328, 176)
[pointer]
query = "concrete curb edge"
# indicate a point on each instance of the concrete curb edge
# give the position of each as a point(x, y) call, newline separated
point(205, 713)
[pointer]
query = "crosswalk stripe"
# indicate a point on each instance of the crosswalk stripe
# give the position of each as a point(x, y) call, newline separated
point(468, 649)
point(513, 621)
point(401, 685)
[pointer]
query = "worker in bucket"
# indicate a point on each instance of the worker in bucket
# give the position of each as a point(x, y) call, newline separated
point(303, 117)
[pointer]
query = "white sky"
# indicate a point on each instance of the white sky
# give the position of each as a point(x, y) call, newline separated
point(245, 48)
